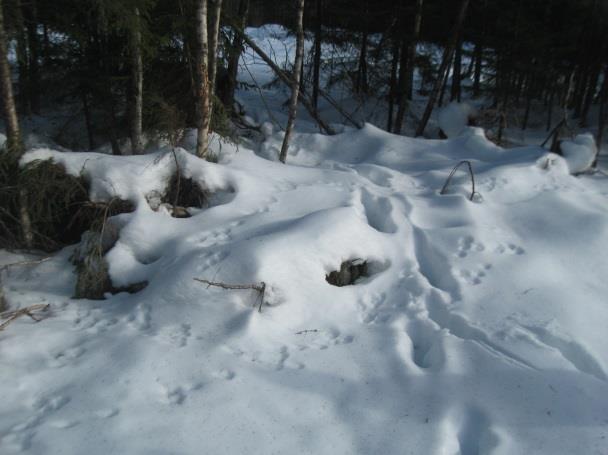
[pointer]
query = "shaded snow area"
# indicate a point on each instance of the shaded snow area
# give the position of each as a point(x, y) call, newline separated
point(480, 327)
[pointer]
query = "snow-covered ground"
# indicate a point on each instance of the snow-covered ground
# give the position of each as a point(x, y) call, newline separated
point(481, 328)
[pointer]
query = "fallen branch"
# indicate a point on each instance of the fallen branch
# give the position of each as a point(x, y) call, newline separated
point(447, 182)
point(260, 288)
point(10, 316)
point(304, 332)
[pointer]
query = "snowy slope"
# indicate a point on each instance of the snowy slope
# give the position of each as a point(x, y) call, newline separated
point(480, 330)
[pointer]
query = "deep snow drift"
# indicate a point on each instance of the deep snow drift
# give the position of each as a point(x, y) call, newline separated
point(480, 328)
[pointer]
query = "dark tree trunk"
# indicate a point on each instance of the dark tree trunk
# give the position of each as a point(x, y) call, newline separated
point(447, 57)
point(361, 82)
point(33, 56)
point(392, 87)
point(234, 54)
point(293, 102)
point(457, 73)
point(406, 71)
point(137, 87)
point(316, 73)
point(602, 116)
point(478, 55)
point(589, 95)
point(87, 117)
point(529, 90)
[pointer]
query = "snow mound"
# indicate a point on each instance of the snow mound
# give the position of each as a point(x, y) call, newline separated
point(454, 118)
point(579, 153)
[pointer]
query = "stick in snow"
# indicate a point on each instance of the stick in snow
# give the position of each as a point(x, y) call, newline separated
point(259, 287)
point(10, 316)
point(447, 182)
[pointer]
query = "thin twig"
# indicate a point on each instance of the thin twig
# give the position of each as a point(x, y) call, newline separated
point(259, 287)
point(303, 332)
point(447, 182)
point(10, 316)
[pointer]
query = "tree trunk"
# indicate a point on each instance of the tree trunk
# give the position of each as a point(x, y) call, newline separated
point(13, 135)
point(137, 87)
point(406, 73)
point(457, 73)
point(447, 57)
point(216, 12)
point(393, 85)
point(234, 54)
point(316, 73)
point(478, 53)
point(529, 82)
point(33, 54)
point(87, 117)
point(602, 116)
point(202, 72)
point(293, 102)
point(589, 95)
point(361, 83)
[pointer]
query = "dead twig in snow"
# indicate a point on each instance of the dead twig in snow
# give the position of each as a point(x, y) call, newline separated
point(259, 287)
point(10, 316)
point(304, 332)
point(447, 182)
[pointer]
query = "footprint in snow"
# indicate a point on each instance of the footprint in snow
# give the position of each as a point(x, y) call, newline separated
point(467, 245)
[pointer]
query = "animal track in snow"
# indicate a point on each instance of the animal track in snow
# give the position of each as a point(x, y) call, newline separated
point(572, 351)
point(509, 248)
point(322, 339)
point(371, 308)
point(175, 335)
point(467, 244)
point(427, 350)
point(475, 277)
point(378, 211)
point(276, 359)
point(176, 394)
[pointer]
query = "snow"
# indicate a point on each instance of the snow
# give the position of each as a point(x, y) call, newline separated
point(579, 153)
point(454, 118)
point(481, 328)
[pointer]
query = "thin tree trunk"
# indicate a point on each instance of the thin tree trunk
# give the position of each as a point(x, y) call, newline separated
point(87, 117)
point(477, 70)
point(411, 50)
point(216, 12)
point(393, 85)
point(316, 73)
point(289, 81)
point(444, 86)
point(602, 116)
point(589, 95)
point(528, 103)
point(447, 57)
point(13, 135)
point(137, 87)
point(23, 83)
point(406, 73)
point(457, 73)
point(234, 54)
point(293, 102)
point(33, 54)
point(202, 70)
point(550, 107)
point(361, 83)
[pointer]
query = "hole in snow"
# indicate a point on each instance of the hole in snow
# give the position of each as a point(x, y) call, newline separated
point(352, 270)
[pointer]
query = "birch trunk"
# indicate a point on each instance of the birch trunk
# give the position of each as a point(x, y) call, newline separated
point(293, 102)
point(202, 71)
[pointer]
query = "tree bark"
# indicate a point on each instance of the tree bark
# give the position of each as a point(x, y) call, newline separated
point(406, 73)
point(216, 11)
point(457, 73)
point(393, 85)
point(234, 54)
point(293, 102)
point(602, 116)
point(33, 56)
point(137, 81)
point(447, 56)
point(13, 135)
point(316, 72)
point(361, 82)
point(478, 53)
point(202, 72)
